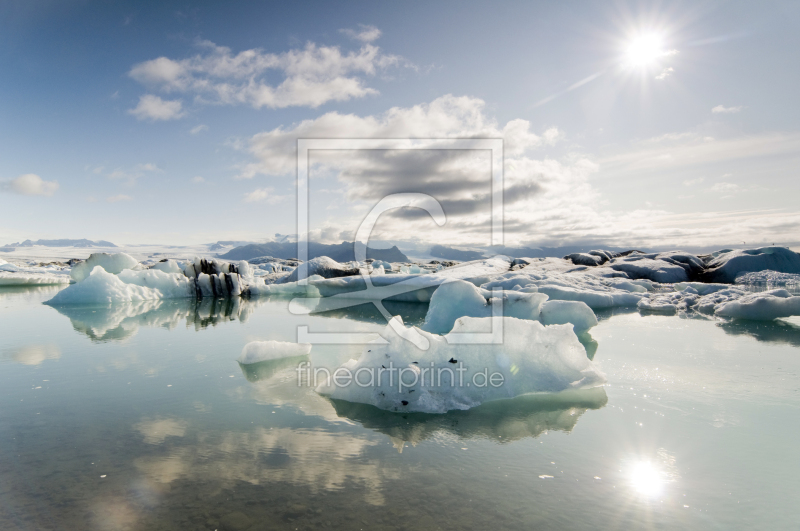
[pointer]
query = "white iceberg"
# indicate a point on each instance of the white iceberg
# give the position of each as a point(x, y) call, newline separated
point(458, 298)
point(763, 306)
point(168, 266)
point(726, 266)
point(411, 287)
point(259, 289)
point(112, 263)
point(768, 277)
point(28, 278)
point(395, 375)
point(576, 313)
point(259, 351)
point(102, 287)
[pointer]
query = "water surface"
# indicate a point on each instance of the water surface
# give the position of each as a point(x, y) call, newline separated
point(138, 417)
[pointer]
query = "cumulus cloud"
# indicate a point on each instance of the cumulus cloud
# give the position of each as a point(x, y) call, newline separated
point(118, 198)
point(665, 73)
point(199, 129)
point(721, 109)
point(459, 179)
point(364, 33)
point(30, 184)
point(153, 108)
point(312, 76)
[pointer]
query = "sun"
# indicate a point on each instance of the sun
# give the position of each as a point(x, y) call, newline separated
point(645, 50)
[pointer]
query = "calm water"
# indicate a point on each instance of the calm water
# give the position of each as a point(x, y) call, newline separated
point(139, 417)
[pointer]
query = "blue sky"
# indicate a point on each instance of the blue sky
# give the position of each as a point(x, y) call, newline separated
point(174, 122)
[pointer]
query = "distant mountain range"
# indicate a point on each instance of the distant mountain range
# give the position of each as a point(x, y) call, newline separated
point(63, 243)
point(343, 252)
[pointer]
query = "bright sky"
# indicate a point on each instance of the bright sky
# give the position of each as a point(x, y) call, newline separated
point(642, 124)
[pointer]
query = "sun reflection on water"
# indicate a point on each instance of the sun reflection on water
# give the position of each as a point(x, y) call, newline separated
point(646, 479)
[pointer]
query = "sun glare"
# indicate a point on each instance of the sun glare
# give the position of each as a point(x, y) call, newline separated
point(646, 479)
point(645, 50)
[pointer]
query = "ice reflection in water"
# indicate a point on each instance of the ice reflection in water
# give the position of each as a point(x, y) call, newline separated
point(501, 421)
point(121, 321)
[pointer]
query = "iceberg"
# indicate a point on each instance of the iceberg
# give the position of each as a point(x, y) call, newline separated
point(112, 263)
point(322, 266)
point(576, 313)
point(532, 359)
point(411, 287)
point(641, 266)
point(459, 298)
point(102, 287)
point(13, 275)
point(726, 266)
point(25, 277)
point(260, 351)
point(198, 278)
point(168, 266)
point(763, 306)
point(258, 289)
point(768, 277)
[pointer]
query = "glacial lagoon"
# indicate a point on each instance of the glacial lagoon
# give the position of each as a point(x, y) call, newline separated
point(137, 416)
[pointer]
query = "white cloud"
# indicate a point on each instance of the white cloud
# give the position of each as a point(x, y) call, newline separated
point(312, 76)
point(665, 73)
point(118, 198)
point(199, 129)
point(197, 179)
point(460, 180)
point(445, 117)
point(721, 109)
point(30, 184)
point(364, 33)
point(548, 201)
point(264, 195)
point(153, 108)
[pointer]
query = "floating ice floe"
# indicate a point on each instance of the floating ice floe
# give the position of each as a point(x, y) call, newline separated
point(669, 267)
point(410, 287)
point(458, 298)
point(763, 306)
point(726, 266)
point(13, 275)
point(768, 277)
point(725, 301)
point(395, 375)
point(259, 289)
point(112, 281)
point(259, 351)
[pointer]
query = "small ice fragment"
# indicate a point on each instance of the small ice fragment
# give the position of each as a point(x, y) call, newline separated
point(103, 476)
point(545, 476)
